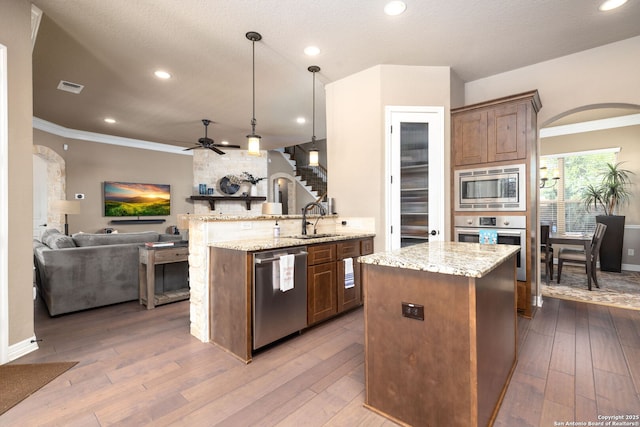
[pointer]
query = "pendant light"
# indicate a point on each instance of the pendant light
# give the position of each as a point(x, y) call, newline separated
point(314, 155)
point(253, 140)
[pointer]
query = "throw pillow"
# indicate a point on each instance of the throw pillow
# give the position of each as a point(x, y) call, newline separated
point(60, 241)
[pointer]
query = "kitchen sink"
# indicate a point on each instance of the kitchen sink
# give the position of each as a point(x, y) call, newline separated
point(313, 236)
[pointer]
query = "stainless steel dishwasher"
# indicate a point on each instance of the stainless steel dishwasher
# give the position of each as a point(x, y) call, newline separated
point(278, 313)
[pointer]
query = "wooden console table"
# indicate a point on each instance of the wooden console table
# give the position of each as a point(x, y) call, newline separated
point(149, 258)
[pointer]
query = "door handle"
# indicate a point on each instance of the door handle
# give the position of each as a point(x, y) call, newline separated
point(434, 232)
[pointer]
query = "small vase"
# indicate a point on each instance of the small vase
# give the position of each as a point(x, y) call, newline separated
point(254, 190)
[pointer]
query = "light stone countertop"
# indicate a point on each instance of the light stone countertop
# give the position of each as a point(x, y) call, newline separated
point(262, 244)
point(264, 217)
point(453, 258)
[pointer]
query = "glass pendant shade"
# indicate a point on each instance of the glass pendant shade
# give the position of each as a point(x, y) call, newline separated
point(313, 157)
point(253, 145)
point(253, 140)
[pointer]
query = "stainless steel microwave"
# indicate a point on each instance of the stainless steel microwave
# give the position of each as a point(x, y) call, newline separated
point(500, 188)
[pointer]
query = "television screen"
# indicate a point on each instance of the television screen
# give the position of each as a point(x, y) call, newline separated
point(133, 199)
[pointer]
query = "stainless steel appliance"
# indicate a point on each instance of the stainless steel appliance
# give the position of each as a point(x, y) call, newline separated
point(278, 313)
point(511, 230)
point(501, 188)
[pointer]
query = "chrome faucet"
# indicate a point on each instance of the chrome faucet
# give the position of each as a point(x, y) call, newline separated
point(304, 216)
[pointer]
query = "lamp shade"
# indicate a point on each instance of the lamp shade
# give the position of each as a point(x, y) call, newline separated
point(253, 145)
point(68, 207)
point(314, 157)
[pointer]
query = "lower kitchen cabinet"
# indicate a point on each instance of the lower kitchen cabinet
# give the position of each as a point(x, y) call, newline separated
point(321, 292)
point(334, 284)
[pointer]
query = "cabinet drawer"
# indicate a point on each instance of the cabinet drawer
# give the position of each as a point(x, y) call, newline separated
point(319, 254)
point(366, 246)
point(171, 255)
point(348, 249)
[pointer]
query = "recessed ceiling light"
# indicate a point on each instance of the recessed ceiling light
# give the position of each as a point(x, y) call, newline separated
point(225, 142)
point(161, 74)
point(611, 4)
point(312, 50)
point(110, 120)
point(301, 120)
point(394, 8)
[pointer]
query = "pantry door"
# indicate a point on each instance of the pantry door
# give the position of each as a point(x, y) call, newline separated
point(415, 178)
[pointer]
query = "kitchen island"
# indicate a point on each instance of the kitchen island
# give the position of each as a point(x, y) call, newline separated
point(440, 332)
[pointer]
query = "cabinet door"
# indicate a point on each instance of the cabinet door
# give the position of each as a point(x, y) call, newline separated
point(319, 254)
point(349, 295)
point(470, 137)
point(507, 133)
point(321, 292)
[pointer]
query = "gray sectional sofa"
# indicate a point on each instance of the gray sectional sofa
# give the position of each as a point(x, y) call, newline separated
point(92, 270)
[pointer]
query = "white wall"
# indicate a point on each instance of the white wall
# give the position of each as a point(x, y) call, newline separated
point(356, 135)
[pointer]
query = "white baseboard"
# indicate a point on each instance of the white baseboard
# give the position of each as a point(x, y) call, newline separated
point(24, 347)
point(631, 267)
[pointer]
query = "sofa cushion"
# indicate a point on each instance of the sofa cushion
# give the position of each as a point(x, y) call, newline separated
point(88, 239)
point(56, 240)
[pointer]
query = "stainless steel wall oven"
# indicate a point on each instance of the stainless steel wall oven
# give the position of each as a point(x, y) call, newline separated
point(511, 230)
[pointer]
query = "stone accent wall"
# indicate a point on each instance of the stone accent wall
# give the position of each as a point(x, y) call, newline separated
point(56, 183)
point(209, 167)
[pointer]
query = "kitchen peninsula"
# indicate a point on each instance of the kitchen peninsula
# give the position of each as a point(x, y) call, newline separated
point(221, 248)
point(440, 332)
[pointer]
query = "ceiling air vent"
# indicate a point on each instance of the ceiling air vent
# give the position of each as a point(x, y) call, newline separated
point(70, 87)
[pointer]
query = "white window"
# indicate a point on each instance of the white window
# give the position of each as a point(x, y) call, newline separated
point(561, 204)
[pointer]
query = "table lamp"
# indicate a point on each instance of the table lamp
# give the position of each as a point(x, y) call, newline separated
point(66, 207)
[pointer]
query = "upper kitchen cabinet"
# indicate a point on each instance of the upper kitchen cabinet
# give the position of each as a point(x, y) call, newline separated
point(495, 131)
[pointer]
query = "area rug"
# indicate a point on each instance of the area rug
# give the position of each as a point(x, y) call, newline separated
point(17, 382)
point(616, 289)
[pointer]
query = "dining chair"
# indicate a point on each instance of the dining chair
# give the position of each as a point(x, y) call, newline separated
point(546, 252)
point(579, 256)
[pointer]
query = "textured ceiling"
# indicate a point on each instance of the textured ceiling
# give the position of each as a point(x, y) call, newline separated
point(112, 47)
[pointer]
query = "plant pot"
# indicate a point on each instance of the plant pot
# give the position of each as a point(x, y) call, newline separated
point(611, 246)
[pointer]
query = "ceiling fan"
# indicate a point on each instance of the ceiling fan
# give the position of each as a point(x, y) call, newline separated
point(209, 143)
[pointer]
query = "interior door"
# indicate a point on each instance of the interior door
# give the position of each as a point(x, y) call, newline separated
point(415, 152)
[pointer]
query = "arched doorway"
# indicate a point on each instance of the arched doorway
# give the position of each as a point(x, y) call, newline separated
point(49, 183)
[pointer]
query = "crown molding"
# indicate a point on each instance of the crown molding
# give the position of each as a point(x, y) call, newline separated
point(590, 126)
point(81, 135)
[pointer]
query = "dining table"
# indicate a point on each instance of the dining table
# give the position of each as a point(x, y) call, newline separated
point(575, 239)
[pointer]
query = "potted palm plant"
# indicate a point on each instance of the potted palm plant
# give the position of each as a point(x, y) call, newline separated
point(611, 193)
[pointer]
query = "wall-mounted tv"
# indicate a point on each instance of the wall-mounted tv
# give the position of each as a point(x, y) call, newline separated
point(133, 199)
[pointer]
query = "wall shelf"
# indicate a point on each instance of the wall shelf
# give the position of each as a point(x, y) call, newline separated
point(247, 199)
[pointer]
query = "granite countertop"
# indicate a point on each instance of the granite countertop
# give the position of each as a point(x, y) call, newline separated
point(454, 258)
point(263, 217)
point(261, 244)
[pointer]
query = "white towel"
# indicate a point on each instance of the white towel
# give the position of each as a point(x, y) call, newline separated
point(348, 273)
point(286, 272)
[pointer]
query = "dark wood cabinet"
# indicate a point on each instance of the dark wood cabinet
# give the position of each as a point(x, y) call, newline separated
point(322, 302)
point(500, 130)
point(503, 132)
point(328, 291)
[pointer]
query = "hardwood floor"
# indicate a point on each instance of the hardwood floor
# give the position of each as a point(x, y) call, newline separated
point(140, 367)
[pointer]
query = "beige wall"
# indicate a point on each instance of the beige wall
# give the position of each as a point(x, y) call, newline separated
point(356, 136)
point(15, 29)
point(604, 75)
point(89, 164)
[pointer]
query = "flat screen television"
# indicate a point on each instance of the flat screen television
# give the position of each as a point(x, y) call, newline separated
point(134, 199)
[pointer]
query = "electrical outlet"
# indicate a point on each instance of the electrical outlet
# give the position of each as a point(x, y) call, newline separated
point(631, 252)
point(413, 311)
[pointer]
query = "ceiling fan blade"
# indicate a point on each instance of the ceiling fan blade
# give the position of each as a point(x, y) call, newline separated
point(226, 146)
point(211, 147)
point(192, 148)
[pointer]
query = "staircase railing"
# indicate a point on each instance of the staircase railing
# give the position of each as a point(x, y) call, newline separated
point(315, 176)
